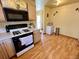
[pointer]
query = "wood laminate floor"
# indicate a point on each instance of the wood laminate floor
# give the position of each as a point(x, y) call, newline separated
point(53, 47)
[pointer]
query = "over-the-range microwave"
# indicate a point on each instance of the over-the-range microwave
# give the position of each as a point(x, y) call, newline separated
point(15, 15)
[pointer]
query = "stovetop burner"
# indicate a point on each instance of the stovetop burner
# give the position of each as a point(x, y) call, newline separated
point(16, 32)
point(26, 30)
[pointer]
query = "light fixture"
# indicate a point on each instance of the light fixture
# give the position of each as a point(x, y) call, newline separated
point(17, 4)
point(58, 2)
point(55, 13)
point(77, 9)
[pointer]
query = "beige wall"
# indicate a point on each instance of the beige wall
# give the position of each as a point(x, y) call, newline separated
point(47, 10)
point(67, 19)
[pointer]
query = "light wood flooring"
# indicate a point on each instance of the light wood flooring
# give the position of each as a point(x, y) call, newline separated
point(53, 47)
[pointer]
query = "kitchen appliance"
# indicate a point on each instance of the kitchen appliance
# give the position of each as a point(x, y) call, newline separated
point(22, 38)
point(15, 15)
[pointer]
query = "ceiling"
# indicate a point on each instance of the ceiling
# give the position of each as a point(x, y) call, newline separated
point(55, 3)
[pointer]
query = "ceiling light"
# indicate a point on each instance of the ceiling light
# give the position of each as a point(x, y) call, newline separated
point(58, 2)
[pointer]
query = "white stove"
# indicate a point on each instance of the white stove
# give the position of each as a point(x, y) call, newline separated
point(23, 39)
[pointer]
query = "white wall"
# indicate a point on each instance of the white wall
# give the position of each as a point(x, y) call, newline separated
point(67, 19)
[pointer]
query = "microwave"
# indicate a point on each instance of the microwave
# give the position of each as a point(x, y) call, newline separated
point(15, 15)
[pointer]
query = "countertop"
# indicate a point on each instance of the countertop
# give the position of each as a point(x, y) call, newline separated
point(4, 36)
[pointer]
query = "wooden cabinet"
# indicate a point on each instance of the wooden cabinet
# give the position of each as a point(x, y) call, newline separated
point(9, 47)
point(3, 52)
point(23, 5)
point(37, 36)
point(8, 3)
point(15, 4)
point(31, 10)
point(1, 14)
point(6, 49)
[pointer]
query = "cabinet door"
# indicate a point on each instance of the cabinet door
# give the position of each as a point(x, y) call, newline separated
point(37, 36)
point(15, 4)
point(1, 14)
point(3, 52)
point(9, 3)
point(22, 5)
point(9, 47)
point(31, 10)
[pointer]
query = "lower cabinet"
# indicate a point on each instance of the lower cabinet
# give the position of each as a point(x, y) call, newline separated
point(6, 49)
point(3, 52)
point(37, 36)
point(9, 47)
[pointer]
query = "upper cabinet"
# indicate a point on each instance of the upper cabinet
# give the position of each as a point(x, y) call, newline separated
point(15, 4)
point(31, 10)
point(9, 3)
point(1, 14)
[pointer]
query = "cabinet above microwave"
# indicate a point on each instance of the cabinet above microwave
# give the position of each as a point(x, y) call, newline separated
point(15, 15)
point(14, 4)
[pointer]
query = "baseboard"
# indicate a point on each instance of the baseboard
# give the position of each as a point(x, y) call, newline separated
point(69, 37)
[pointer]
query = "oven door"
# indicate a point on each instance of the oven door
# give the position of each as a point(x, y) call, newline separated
point(26, 40)
point(23, 41)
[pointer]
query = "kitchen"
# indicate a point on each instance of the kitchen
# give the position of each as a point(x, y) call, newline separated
point(17, 19)
point(21, 20)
